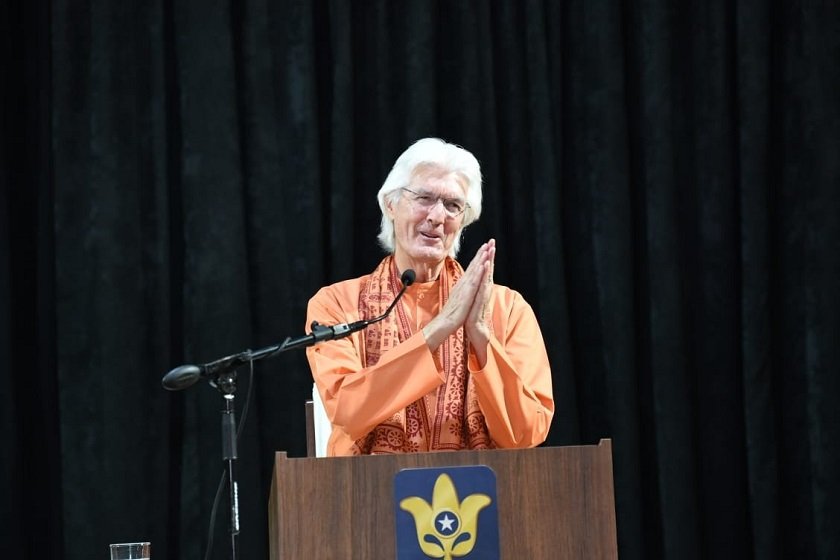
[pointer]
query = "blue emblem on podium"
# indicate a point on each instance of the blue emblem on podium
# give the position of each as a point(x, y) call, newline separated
point(446, 513)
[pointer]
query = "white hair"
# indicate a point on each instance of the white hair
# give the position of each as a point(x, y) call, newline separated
point(434, 153)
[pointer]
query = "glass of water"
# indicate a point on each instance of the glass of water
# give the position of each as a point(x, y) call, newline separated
point(131, 551)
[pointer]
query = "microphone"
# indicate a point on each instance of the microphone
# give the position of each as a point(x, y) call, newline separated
point(321, 332)
point(187, 375)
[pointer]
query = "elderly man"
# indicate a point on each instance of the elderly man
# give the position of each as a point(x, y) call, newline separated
point(460, 363)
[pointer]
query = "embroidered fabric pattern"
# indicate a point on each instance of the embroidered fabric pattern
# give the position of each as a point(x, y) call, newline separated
point(436, 421)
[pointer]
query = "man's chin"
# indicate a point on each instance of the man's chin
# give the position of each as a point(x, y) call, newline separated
point(429, 254)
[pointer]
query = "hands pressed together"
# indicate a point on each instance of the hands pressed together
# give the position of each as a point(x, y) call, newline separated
point(468, 305)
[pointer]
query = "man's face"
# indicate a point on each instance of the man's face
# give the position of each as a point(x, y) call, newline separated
point(428, 217)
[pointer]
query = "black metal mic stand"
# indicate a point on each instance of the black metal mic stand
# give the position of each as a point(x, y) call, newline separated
point(226, 384)
point(221, 374)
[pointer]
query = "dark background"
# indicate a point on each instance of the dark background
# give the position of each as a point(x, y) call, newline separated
point(662, 178)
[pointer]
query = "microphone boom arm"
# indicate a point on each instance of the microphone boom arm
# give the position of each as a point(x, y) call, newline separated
point(185, 376)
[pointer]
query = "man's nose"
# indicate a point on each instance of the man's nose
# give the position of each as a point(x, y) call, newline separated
point(438, 211)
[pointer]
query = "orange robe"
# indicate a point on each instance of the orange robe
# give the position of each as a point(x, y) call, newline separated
point(514, 387)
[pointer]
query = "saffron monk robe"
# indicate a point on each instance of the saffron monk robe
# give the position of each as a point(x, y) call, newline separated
point(460, 362)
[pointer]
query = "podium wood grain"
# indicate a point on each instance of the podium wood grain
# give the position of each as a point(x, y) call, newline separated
point(553, 502)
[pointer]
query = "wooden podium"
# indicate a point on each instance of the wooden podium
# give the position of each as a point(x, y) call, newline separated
point(553, 503)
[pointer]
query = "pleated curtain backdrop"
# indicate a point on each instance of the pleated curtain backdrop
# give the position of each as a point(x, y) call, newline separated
point(662, 180)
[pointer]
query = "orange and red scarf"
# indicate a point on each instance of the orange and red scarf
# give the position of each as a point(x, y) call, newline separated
point(449, 417)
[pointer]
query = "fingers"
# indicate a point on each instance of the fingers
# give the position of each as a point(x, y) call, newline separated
point(469, 299)
point(480, 307)
point(491, 261)
point(484, 273)
point(464, 292)
point(476, 270)
point(467, 286)
point(479, 259)
point(478, 322)
point(479, 272)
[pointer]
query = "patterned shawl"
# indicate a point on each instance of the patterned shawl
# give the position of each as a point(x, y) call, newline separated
point(449, 417)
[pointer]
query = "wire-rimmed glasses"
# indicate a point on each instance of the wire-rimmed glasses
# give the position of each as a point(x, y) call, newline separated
point(425, 200)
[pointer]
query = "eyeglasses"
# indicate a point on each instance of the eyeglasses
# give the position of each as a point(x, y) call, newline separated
point(425, 200)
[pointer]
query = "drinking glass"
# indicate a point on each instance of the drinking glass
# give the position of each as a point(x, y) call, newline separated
point(131, 551)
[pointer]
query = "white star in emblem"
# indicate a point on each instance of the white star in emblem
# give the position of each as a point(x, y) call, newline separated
point(446, 523)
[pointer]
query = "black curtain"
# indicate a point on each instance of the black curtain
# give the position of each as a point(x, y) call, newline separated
point(662, 179)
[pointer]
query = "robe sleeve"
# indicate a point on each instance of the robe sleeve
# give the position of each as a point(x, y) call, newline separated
point(514, 387)
point(358, 398)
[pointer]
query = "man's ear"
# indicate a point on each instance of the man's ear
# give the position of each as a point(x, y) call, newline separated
point(389, 206)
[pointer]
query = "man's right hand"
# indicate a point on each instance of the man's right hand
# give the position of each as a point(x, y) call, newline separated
point(462, 298)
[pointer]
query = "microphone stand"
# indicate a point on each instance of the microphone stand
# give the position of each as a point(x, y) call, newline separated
point(221, 374)
point(226, 384)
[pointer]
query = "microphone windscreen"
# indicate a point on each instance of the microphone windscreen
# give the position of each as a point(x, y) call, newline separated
point(408, 277)
point(181, 378)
